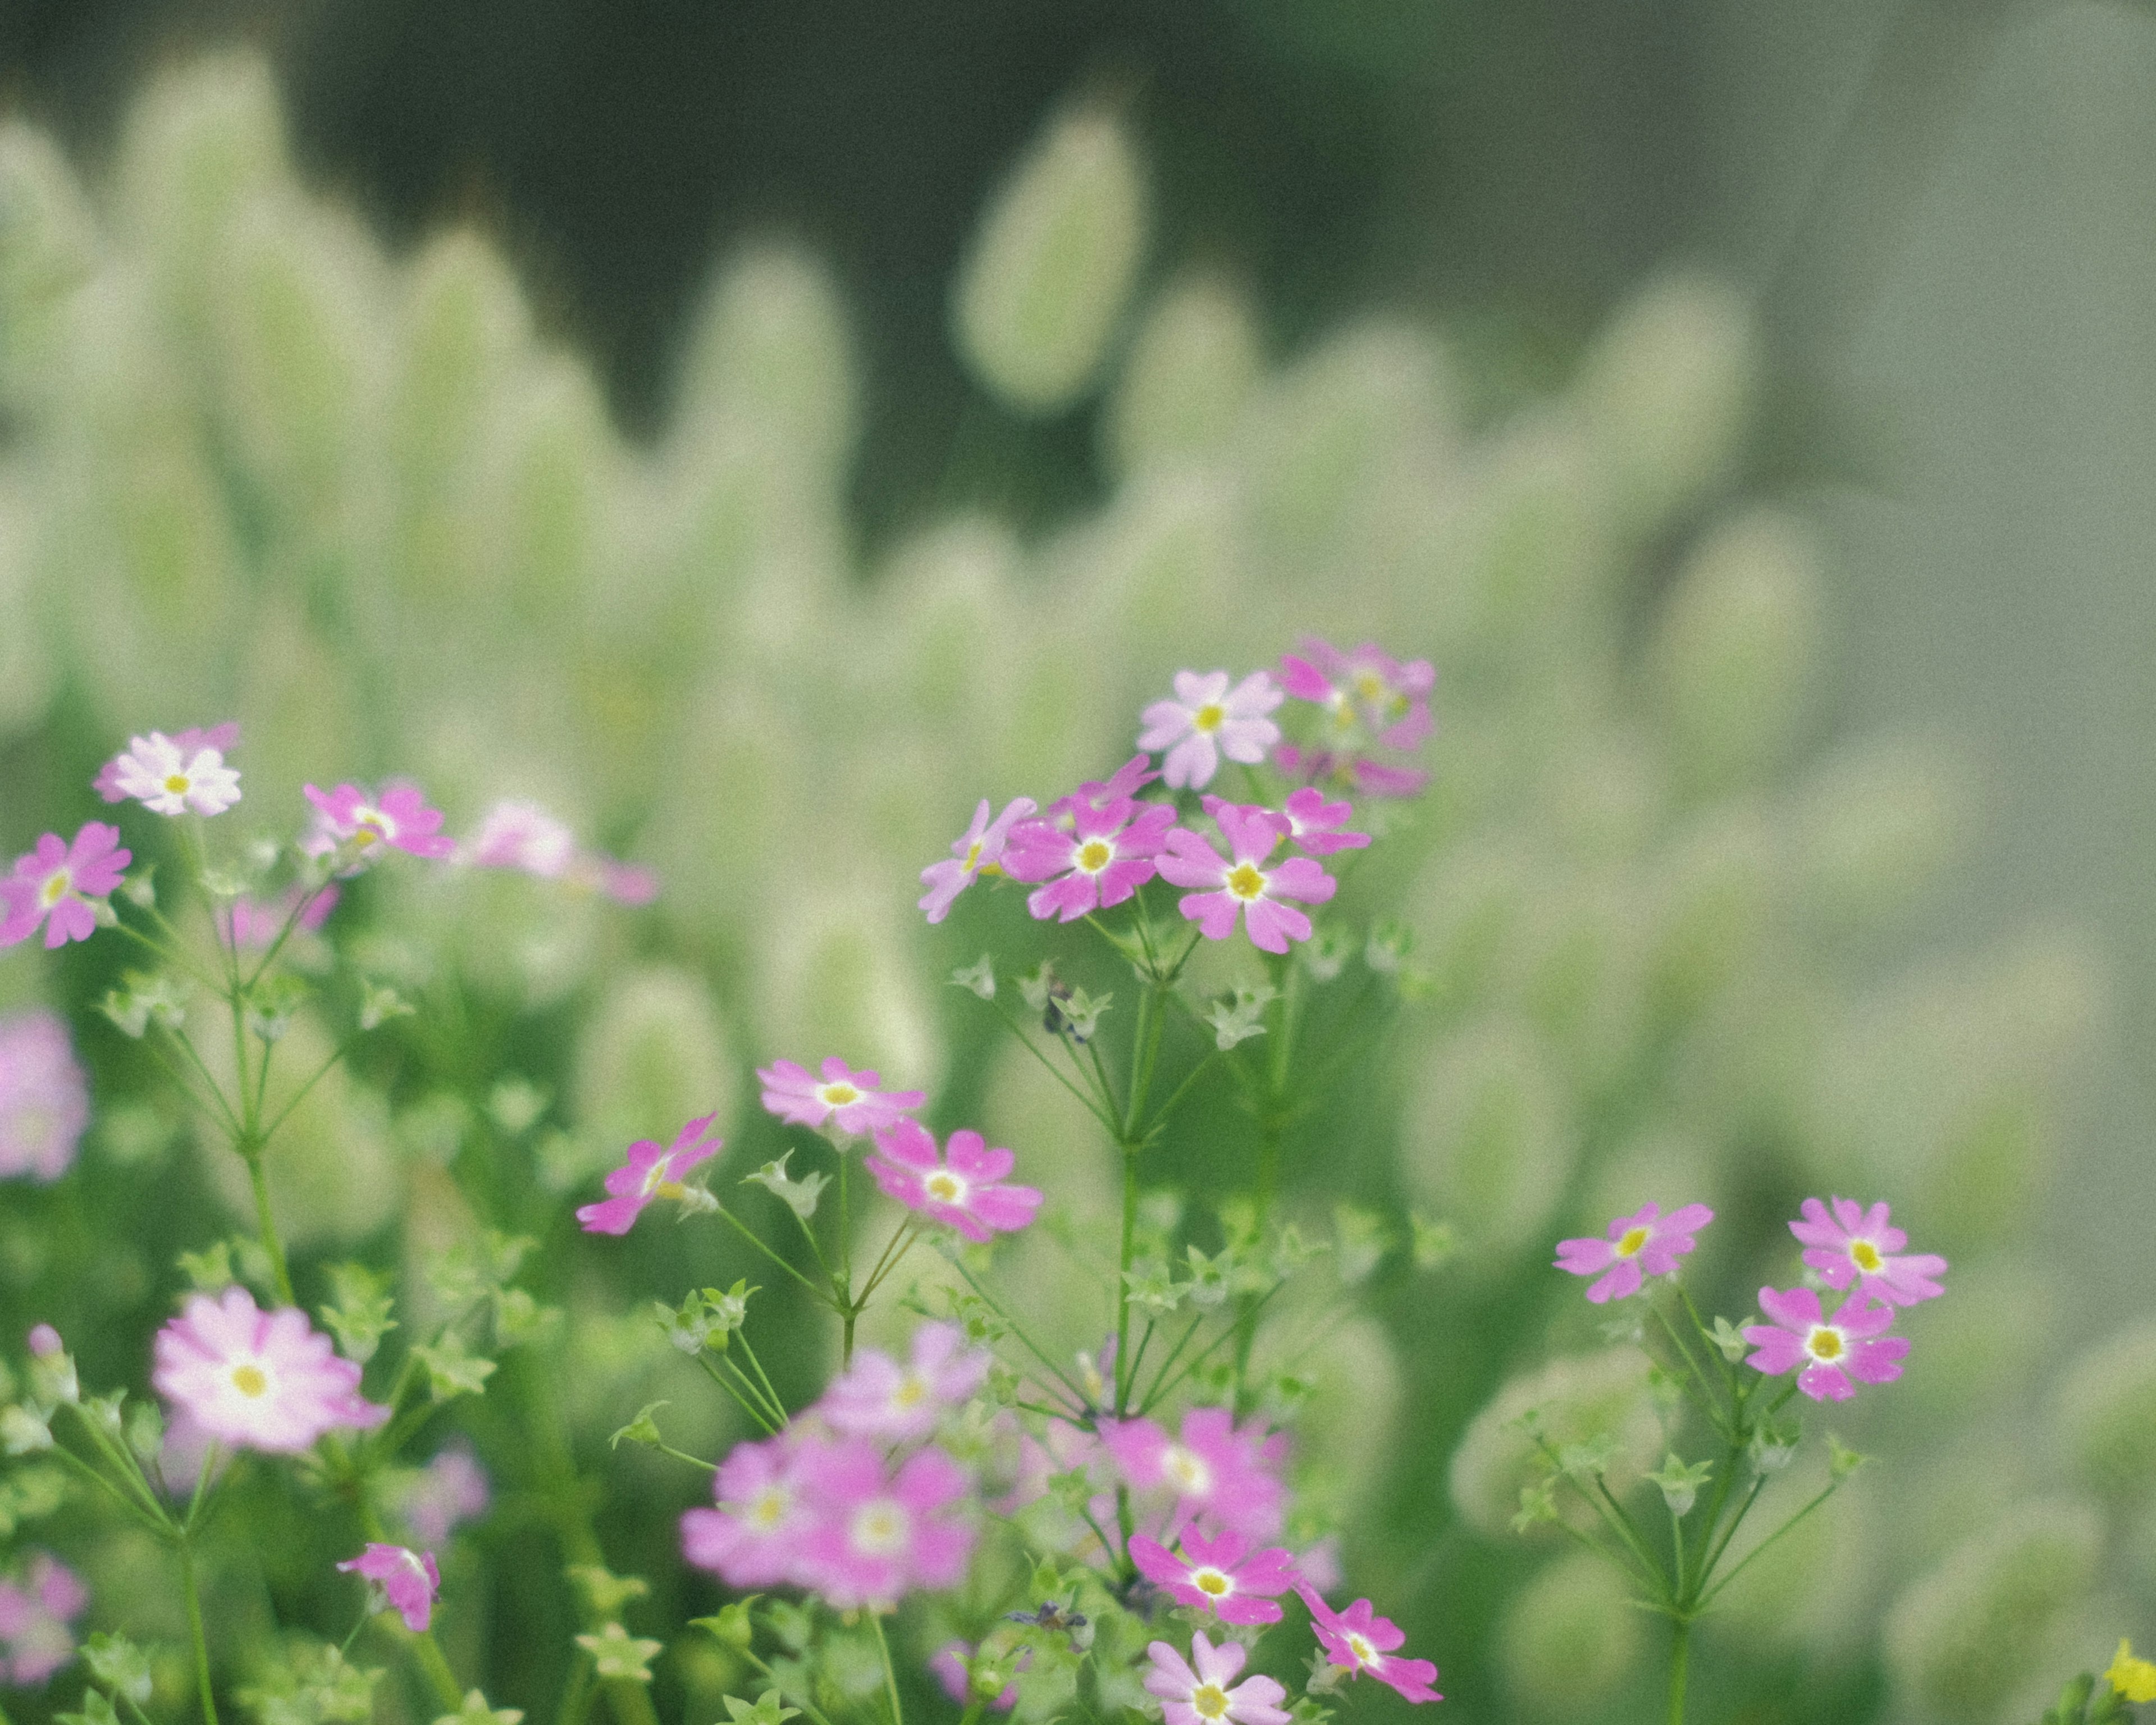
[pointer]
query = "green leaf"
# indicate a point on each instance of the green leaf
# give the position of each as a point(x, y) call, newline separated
point(1435, 1244)
point(23, 1433)
point(1842, 1462)
point(96, 1710)
point(359, 1316)
point(210, 1271)
point(451, 1371)
point(119, 1664)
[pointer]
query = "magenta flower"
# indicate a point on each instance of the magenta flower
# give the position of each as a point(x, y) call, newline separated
point(1360, 1641)
point(878, 1397)
point(44, 1098)
point(189, 744)
point(960, 1186)
point(1317, 827)
point(753, 1538)
point(1364, 690)
point(262, 1380)
point(399, 817)
point(170, 776)
point(1202, 1696)
point(1211, 1468)
point(1854, 1244)
point(57, 880)
point(448, 1491)
point(1207, 720)
point(1104, 856)
point(649, 1172)
point(877, 1536)
point(1127, 780)
point(1831, 1353)
point(1649, 1244)
point(1221, 1575)
point(35, 1641)
point(1226, 888)
point(408, 1580)
point(948, 1665)
point(248, 923)
point(849, 1101)
point(978, 850)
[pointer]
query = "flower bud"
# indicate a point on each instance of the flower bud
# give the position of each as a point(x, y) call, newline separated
point(1576, 1399)
point(1191, 368)
point(1053, 264)
point(1490, 1140)
point(2106, 1414)
point(1568, 1637)
point(652, 1055)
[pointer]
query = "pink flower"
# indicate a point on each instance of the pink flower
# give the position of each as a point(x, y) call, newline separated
point(189, 742)
point(248, 923)
point(1212, 1468)
point(878, 1397)
point(1206, 719)
point(649, 1172)
point(35, 1641)
point(1831, 1353)
point(1315, 826)
point(526, 838)
point(1649, 1244)
point(753, 1538)
point(1242, 886)
point(399, 817)
point(948, 1664)
point(1364, 690)
point(849, 1101)
point(978, 848)
point(170, 776)
point(260, 1380)
point(960, 1186)
point(45, 1342)
point(1219, 1575)
point(1359, 1640)
point(1203, 1697)
point(450, 1490)
point(57, 880)
point(1127, 780)
point(877, 1536)
point(1359, 774)
point(408, 1580)
point(44, 1098)
point(1857, 1245)
point(1103, 857)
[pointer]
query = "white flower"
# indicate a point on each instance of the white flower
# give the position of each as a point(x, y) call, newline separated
point(1206, 719)
point(170, 777)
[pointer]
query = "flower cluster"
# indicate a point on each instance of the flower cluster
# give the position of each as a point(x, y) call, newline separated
point(36, 1608)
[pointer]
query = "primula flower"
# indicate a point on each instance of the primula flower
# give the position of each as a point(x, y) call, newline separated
point(35, 1612)
point(170, 775)
point(526, 838)
point(399, 817)
point(878, 1397)
point(753, 1538)
point(1649, 1244)
point(2135, 1679)
point(1226, 888)
point(649, 1172)
point(1363, 689)
point(1360, 1641)
point(1202, 1696)
point(248, 923)
point(1221, 1575)
point(1831, 1352)
point(56, 881)
point(1127, 780)
point(44, 1098)
point(262, 1380)
point(408, 1580)
point(1317, 827)
point(1857, 1245)
point(1103, 857)
point(1212, 1468)
point(961, 1185)
point(1207, 720)
point(948, 1664)
point(875, 1537)
point(192, 742)
point(849, 1101)
point(450, 1490)
point(978, 850)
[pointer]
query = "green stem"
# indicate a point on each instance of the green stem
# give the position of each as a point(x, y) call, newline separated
point(754, 1239)
point(1680, 1652)
point(1078, 1397)
point(270, 1244)
point(429, 1652)
point(1093, 1106)
point(1744, 1563)
point(195, 1630)
point(1123, 1277)
point(890, 1674)
point(747, 1406)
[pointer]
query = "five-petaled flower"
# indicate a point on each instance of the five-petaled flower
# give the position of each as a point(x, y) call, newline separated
point(1103, 856)
point(171, 775)
point(399, 817)
point(978, 850)
point(1202, 1696)
point(876, 1397)
point(1211, 1468)
point(1207, 720)
point(1222, 1575)
point(650, 1172)
point(1649, 1244)
point(1224, 888)
point(56, 881)
point(1857, 1245)
point(1362, 1643)
point(753, 1538)
point(877, 1536)
point(262, 1380)
point(1318, 828)
point(1830, 1351)
point(848, 1100)
point(962, 1185)
point(408, 1580)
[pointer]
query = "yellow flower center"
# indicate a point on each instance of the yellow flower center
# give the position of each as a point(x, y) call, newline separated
point(1208, 716)
point(1370, 687)
point(879, 1528)
point(56, 887)
point(1364, 1653)
point(1865, 1256)
point(973, 857)
point(1095, 854)
point(250, 1380)
point(912, 1390)
point(767, 1508)
point(944, 1187)
point(1634, 1239)
point(1186, 1472)
point(178, 783)
point(1824, 1342)
point(1212, 1582)
point(838, 1095)
point(1245, 882)
point(1211, 1700)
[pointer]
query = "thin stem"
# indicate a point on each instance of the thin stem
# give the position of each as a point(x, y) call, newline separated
point(300, 1094)
point(428, 1652)
point(270, 1243)
point(756, 1239)
point(291, 921)
point(1092, 1106)
point(195, 1630)
point(747, 1406)
point(762, 1378)
point(1078, 1397)
point(1123, 1277)
point(890, 1674)
point(231, 1120)
point(1174, 1353)
point(1745, 1562)
point(1680, 1653)
point(1729, 1532)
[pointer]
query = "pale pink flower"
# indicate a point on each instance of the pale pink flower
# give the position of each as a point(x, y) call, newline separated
point(1222, 1575)
point(448, 1491)
point(1361, 1642)
point(978, 850)
point(1857, 1245)
point(960, 1186)
point(251, 923)
point(35, 1612)
point(753, 1538)
point(877, 1536)
point(848, 1100)
point(1364, 690)
point(1211, 1469)
point(1226, 888)
point(189, 742)
point(57, 880)
point(398, 817)
point(1830, 1352)
point(1103, 857)
point(878, 1397)
point(408, 1580)
point(1202, 1696)
point(44, 1098)
point(948, 1665)
point(650, 1172)
point(167, 777)
point(262, 1380)
point(1649, 1244)
point(522, 836)
point(1317, 827)
point(1207, 720)
point(625, 883)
